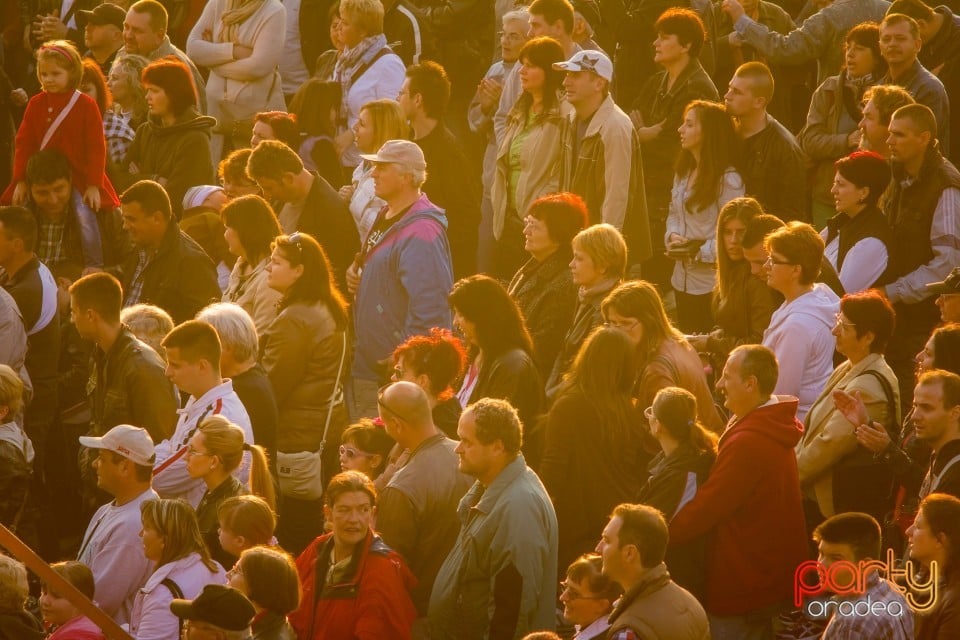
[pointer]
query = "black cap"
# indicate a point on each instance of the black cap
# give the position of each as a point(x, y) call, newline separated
point(105, 13)
point(951, 284)
point(221, 606)
point(590, 11)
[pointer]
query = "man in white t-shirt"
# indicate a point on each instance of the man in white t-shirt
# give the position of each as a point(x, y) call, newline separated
point(111, 545)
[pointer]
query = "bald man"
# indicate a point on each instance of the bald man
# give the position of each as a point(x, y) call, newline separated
point(417, 510)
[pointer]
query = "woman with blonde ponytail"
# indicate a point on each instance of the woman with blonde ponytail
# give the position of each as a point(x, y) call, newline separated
point(214, 454)
point(688, 451)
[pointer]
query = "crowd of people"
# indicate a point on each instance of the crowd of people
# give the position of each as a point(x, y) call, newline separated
point(382, 318)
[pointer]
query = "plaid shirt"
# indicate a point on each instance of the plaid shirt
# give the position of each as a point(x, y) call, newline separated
point(136, 282)
point(118, 133)
point(625, 634)
point(50, 243)
point(875, 627)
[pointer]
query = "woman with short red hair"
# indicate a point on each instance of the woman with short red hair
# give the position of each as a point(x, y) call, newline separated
point(173, 146)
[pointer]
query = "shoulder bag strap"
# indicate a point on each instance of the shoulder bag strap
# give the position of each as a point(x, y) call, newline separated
point(935, 482)
point(362, 69)
point(333, 396)
point(59, 120)
point(893, 420)
point(177, 595)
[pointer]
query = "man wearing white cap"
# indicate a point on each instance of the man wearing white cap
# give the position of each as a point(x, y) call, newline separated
point(402, 274)
point(111, 546)
point(600, 151)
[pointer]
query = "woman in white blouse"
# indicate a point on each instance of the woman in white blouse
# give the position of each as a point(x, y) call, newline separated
point(856, 238)
point(704, 182)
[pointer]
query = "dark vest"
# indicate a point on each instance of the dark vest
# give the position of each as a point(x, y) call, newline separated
point(871, 223)
point(909, 210)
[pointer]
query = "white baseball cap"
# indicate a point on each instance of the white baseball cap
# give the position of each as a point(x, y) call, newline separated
point(588, 60)
point(130, 442)
point(403, 152)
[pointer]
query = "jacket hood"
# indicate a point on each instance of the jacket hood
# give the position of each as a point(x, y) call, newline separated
point(776, 421)
point(819, 305)
point(189, 120)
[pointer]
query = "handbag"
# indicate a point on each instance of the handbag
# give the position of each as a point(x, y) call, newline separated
point(239, 129)
point(301, 474)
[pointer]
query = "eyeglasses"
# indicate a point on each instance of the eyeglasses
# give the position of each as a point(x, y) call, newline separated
point(648, 414)
point(841, 323)
point(772, 260)
point(623, 326)
point(573, 594)
point(383, 404)
point(509, 37)
point(397, 373)
point(191, 452)
point(350, 452)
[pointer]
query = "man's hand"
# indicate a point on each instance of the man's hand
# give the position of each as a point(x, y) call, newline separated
point(50, 27)
point(489, 95)
point(733, 9)
point(873, 436)
point(353, 276)
point(19, 97)
point(853, 140)
point(735, 40)
point(20, 194)
point(646, 134)
point(346, 192)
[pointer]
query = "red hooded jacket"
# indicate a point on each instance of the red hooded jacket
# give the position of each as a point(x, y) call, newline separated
point(372, 604)
point(752, 506)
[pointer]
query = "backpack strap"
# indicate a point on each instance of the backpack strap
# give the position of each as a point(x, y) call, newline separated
point(177, 593)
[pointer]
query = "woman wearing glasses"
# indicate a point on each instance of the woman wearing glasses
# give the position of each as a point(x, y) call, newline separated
point(836, 474)
point(664, 357)
point(214, 453)
point(587, 597)
point(171, 539)
point(591, 445)
point(304, 352)
point(543, 287)
point(365, 447)
point(687, 453)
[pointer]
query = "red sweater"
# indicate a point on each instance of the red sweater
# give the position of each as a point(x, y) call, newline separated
point(373, 603)
point(752, 505)
point(79, 137)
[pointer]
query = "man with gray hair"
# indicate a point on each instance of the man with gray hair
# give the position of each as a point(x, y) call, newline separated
point(498, 580)
point(239, 346)
point(402, 274)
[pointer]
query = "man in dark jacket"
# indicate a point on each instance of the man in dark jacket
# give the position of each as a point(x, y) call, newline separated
point(307, 203)
point(940, 54)
point(633, 545)
point(936, 416)
point(450, 183)
point(922, 207)
point(130, 386)
point(407, 32)
point(168, 269)
point(751, 503)
point(774, 168)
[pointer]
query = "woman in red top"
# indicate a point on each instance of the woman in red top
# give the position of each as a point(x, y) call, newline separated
point(354, 586)
point(62, 118)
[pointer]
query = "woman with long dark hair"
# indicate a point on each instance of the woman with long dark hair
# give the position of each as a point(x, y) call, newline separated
point(705, 181)
point(935, 538)
point(173, 146)
point(591, 445)
point(305, 355)
point(742, 303)
point(528, 160)
point(500, 354)
point(250, 226)
point(664, 357)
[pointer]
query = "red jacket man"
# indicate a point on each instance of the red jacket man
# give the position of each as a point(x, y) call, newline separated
point(751, 502)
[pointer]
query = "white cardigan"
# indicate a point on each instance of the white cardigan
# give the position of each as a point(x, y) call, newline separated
point(246, 84)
